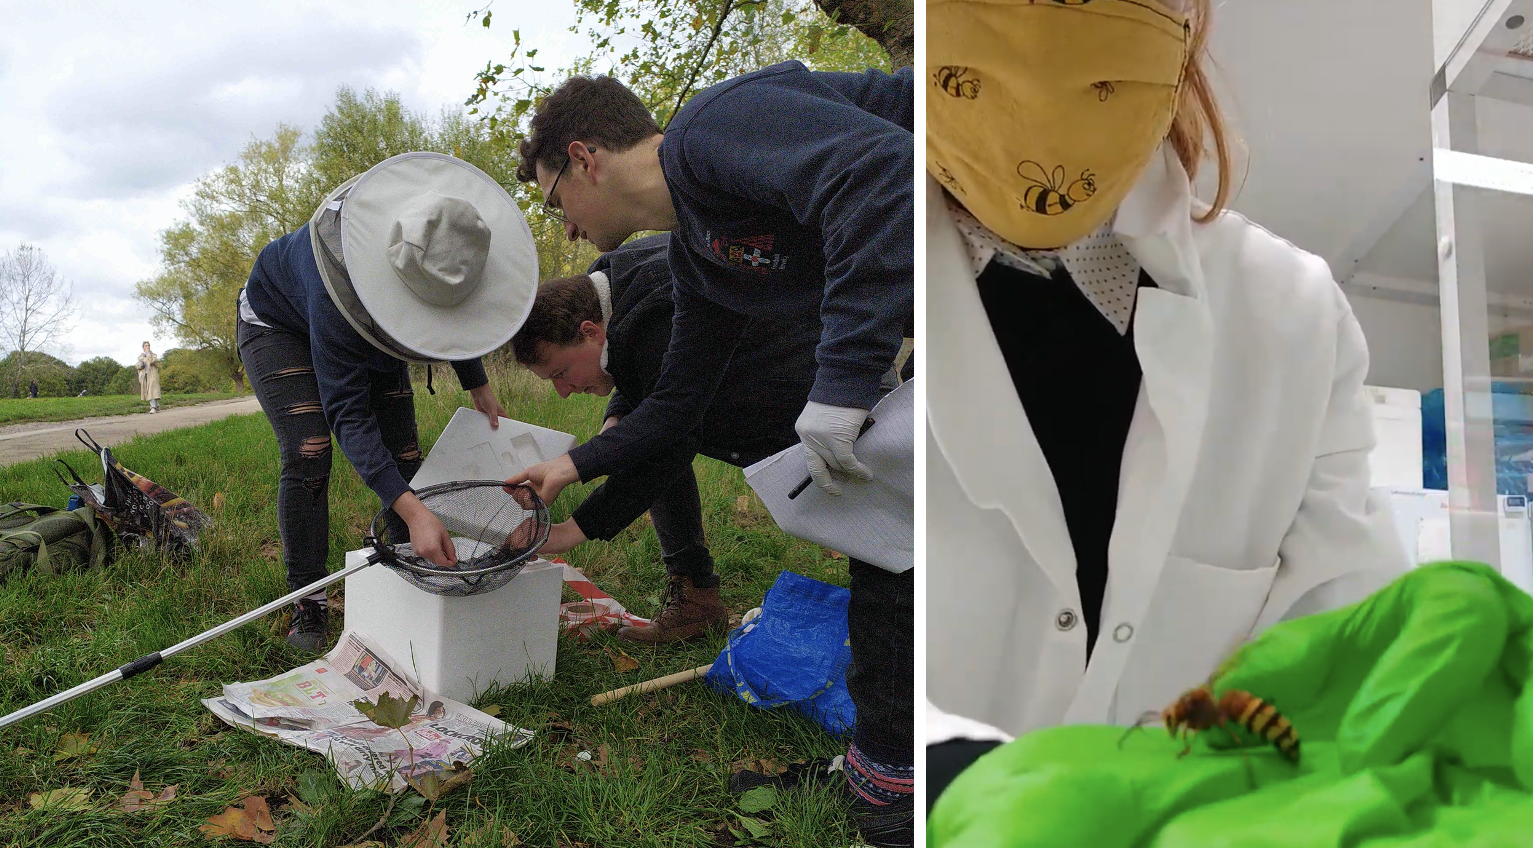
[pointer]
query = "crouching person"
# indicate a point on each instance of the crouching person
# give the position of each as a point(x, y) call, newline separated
point(438, 266)
point(606, 333)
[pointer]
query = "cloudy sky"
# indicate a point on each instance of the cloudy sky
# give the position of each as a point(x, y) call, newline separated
point(111, 110)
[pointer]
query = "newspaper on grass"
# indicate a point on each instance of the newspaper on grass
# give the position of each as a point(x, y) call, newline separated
point(311, 707)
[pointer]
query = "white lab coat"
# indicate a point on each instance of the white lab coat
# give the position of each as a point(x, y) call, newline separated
point(1244, 490)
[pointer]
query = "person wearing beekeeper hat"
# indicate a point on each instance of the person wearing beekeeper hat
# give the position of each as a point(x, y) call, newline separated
point(1148, 434)
point(421, 259)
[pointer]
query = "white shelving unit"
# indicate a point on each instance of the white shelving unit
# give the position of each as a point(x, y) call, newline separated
point(1478, 190)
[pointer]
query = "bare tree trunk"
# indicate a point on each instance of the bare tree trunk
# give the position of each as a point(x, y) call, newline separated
point(891, 23)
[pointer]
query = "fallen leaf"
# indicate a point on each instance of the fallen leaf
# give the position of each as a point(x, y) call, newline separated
point(230, 823)
point(433, 833)
point(622, 661)
point(492, 710)
point(389, 711)
point(271, 550)
point(71, 799)
point(137, 799)
point(252, 821)
point(260, 814)
point(73, 745)
point(765, 766)
point(218, 501)
point(436, 783)
point(758, 799)
point(831, 553)
point(599, 758)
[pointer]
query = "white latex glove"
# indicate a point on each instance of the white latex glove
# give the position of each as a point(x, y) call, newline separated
point(828, 434)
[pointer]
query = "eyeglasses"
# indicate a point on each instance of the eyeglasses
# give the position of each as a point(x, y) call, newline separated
point(551, 211)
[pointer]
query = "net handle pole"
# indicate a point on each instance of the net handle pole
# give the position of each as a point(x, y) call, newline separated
point(143, 663)
point(652, 685)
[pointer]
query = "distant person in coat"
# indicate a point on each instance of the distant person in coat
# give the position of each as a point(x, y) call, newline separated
point(149, 378)
point(32, 388)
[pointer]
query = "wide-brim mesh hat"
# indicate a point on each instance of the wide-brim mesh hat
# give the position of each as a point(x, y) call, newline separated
point(427, 257)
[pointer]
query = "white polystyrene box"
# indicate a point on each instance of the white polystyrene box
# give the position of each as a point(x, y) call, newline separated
point(460, 646)
point(1397, 457)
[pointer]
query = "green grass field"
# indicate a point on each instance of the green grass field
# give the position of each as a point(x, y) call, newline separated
point(14, 410)
point(671, 751)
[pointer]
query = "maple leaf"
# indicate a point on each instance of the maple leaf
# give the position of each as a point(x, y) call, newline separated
point(137, 799)
point(389, 711)
point(62, 798)
point(436, 783)
point(72, 745)
point(251, 821)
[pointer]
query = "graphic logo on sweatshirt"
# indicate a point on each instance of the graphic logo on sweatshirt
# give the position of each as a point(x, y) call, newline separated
point(749, 253)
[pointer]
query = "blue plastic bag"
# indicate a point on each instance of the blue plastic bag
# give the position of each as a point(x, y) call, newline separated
point(796, 653)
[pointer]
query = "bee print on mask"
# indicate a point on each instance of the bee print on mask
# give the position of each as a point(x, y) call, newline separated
point(1049, 194)
point(1104, 89)
point(946, 177)
point(957, 82)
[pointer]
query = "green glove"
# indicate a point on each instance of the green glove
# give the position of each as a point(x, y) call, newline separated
point(1413, 712)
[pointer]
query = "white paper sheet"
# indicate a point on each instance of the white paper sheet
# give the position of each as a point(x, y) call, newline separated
point(469, 450)
point(873, 521)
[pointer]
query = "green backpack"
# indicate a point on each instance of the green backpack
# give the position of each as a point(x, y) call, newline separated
point(50, 540)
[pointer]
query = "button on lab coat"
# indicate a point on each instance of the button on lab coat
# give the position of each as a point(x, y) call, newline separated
point(1244, 489)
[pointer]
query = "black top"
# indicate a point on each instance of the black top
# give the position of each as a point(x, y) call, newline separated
point(793, 195)
point(751, 416)
point(1078, 379)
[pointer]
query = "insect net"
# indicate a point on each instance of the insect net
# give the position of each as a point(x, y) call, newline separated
point(494, 533)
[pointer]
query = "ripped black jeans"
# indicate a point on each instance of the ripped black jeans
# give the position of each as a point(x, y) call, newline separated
point(281, 372)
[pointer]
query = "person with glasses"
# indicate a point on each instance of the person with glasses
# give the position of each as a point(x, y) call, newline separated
point(785, 191)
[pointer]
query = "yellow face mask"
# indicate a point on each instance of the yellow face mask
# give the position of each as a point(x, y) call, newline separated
point(1043, 113)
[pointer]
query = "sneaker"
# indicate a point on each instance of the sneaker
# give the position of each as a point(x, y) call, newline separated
point(688, 612)
point(893, 825)
point(311, 619)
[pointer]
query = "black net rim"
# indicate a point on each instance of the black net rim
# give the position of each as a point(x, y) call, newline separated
point(514, 560)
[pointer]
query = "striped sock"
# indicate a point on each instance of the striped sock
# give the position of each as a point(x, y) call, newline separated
point(878, 783)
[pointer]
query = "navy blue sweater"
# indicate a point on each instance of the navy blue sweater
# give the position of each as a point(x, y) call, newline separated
point(286, 291)
point(793, 190)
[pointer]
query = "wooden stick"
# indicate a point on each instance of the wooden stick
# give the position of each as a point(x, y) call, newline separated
point(652, 685)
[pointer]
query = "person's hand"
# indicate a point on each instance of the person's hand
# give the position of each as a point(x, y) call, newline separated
point(828, 434)
point(1422, 688)
point(429, 538)
point(485, 402)
point(610, 422)
point(549, 478)
point(563, 537)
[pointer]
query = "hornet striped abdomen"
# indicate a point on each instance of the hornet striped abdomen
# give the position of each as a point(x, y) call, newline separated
point(1263, 720)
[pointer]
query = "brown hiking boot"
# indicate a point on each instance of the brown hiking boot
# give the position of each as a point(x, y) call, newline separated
point(689, 612)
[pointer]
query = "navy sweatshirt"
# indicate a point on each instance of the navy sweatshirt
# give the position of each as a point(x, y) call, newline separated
point(286, 291)
point(793, 190)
